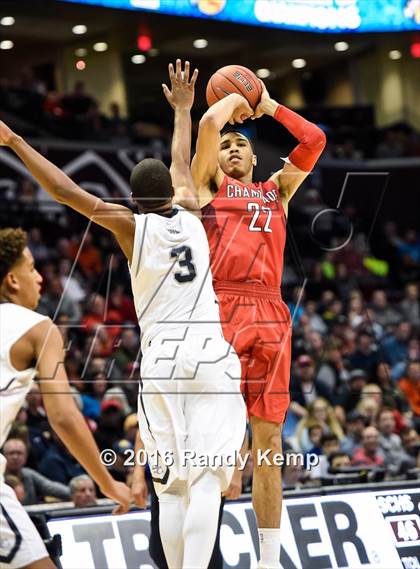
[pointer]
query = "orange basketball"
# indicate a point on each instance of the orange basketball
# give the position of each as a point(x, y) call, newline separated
point(234, 79)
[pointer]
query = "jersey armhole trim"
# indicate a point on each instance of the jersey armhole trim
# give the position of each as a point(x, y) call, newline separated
point(138, 247)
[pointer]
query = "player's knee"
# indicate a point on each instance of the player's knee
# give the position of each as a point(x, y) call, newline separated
point(267, 436)
point(271, 441)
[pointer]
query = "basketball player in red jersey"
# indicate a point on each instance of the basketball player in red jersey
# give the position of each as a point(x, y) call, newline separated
point(246, 228)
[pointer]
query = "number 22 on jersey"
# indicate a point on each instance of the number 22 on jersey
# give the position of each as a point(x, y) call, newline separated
point(262, 215)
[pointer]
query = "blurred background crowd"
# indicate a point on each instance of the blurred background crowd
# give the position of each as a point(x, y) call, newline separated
point(355, 385)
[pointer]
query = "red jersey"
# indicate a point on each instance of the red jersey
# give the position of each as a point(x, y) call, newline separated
point(246, 230)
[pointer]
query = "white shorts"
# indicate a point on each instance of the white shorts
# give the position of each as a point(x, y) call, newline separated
point(191, 413)
point(20, 543)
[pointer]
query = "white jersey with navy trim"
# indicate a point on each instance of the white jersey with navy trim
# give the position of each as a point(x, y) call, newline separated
point(15, 321)
point(171, 277)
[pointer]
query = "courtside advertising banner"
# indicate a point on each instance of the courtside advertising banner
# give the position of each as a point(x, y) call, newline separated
point(378, 530)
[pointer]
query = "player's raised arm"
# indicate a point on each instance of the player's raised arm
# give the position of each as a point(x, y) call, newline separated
point(233, 108)
point(65, 417)
point(303, 158)
point(181, 99)
point(55, 182)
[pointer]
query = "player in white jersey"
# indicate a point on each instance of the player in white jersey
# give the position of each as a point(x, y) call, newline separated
point(27, 337)
point(191, 414)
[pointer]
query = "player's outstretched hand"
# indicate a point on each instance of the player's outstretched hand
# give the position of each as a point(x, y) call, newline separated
point(6, 134)
point(242, 112)
point(235, 486)
point(121, 494)
point(262, 108)
point(181, 93)
point(139, 490)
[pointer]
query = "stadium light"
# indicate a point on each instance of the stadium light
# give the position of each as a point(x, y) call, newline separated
point(341, 46)
point(79, 29)
point(144, 42)
point(100, 46)
point(415, 49)
point(7, 21)
point(299, 63)
point(139, 58)
point(200, 43)
point(263, 73)
point(395, 54)
point(6, 44)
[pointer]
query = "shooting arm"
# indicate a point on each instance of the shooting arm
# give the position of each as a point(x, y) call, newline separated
point(205, 165)
point(304, 156)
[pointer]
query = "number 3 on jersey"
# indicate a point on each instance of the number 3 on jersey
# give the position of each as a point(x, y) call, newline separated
point(260, 211)
point(184, 257)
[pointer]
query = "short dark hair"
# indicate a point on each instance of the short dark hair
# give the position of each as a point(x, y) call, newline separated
point(151, 183)
point(12, 243)
point(337, 454)
point(328, 438)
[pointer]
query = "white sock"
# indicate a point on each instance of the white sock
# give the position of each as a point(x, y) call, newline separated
point(269, 548)
point(172, 508)
point(200, 526)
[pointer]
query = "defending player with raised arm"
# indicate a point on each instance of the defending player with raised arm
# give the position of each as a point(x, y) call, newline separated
point(188, 397)
point(245, 224)
point(27, 337)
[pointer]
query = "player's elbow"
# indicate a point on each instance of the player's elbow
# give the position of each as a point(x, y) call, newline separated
point(318, 138)
point(60, 194)
point(322, 138)
point(63, 415)
point(186, 198)
point(179, 164)
point(209, 122)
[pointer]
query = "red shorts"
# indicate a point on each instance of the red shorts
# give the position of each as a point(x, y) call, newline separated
point(257, 323)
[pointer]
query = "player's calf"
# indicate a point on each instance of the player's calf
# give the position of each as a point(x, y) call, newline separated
point(266, 489)
point(200, 530)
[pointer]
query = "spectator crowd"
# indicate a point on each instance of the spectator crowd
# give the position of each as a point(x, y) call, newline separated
point(355, 378)
point(76, 115)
